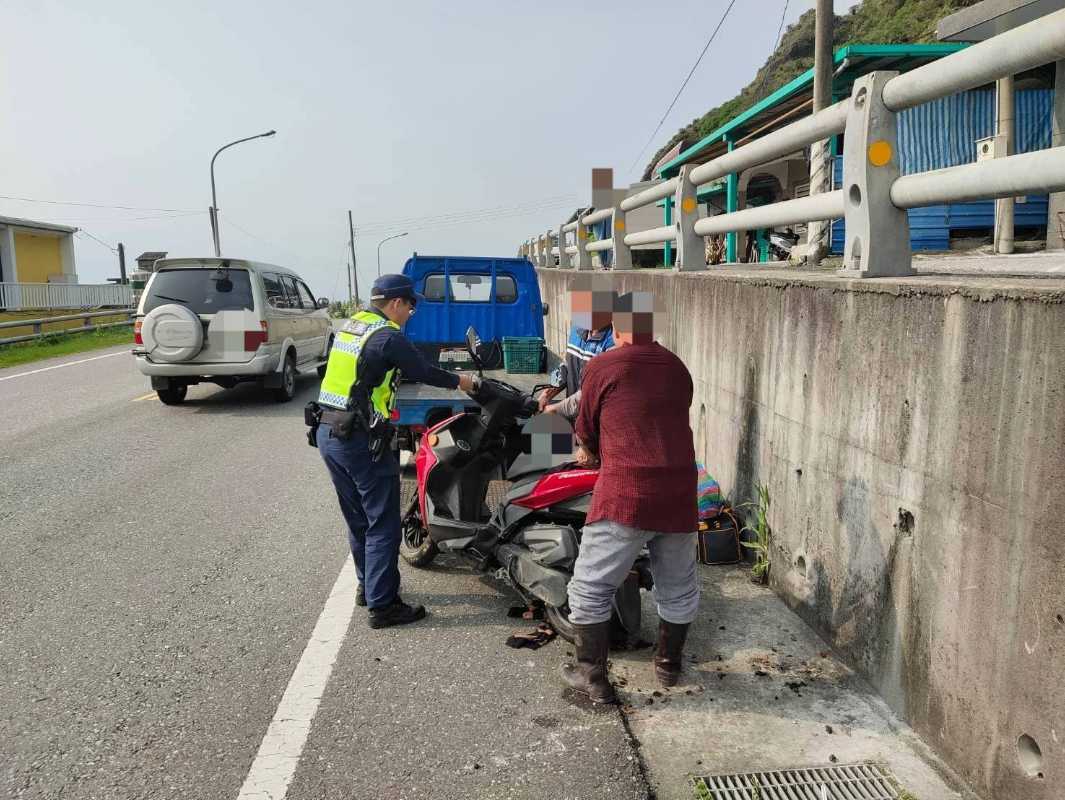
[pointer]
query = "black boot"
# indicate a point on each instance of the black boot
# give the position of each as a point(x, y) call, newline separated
point(360, 596)
point(667, 658)
point(399, 613)
point(588, 675)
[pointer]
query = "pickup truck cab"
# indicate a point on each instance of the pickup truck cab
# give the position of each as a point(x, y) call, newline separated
point(496, 296)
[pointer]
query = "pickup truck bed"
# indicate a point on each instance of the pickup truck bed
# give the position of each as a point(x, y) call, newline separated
point(420, 405)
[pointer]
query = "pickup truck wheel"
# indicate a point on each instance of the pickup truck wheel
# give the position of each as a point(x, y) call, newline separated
point(415, 546)
point(287, 390)
point(174, 396)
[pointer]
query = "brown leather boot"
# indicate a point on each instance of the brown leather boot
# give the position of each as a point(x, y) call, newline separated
point(667, 659)
point(588, 675)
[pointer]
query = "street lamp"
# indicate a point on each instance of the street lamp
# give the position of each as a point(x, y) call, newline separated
point(390, 238)
point(214, 198)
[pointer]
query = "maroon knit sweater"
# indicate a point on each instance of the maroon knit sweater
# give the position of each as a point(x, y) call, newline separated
point(634, 416)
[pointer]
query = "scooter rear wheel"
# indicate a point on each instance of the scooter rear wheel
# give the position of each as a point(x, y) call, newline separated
point(415, 546)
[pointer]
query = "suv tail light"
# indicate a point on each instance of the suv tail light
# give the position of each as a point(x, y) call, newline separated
point(252, 339)
point(137, 332)
point(394, 415)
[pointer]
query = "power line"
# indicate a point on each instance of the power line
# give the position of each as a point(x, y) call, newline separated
point(776, 44)
point(94, 220)
point(98, 240)
point(91, 205)
point(683, 85)
point(287, 253)
point(383, 225)
point(487, 216)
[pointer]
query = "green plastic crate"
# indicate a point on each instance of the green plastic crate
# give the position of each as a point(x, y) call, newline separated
point(522, 354)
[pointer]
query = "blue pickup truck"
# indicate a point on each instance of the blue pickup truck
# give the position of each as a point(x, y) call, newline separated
point(497, 296)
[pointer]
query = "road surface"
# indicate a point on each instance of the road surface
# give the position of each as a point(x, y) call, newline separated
point(163, 571)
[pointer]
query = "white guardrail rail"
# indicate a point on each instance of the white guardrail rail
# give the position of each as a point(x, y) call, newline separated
point(874, 197)
point(87, 325)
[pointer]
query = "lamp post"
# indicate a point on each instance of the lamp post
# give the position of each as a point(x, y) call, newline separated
point(214, 198)
point(390, 238)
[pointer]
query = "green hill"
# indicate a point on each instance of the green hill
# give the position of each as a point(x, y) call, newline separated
point(870, 22)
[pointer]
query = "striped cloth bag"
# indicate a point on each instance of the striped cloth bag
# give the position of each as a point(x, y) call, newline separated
point(708, 493)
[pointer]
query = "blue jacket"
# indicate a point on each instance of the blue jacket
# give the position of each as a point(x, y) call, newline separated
point(581, 348)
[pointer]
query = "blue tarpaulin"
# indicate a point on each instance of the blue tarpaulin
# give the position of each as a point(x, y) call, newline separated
point(943, 134)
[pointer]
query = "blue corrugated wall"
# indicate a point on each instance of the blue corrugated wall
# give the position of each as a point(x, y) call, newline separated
point(943, 134)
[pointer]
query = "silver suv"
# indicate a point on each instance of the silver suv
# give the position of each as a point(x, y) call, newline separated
point(227, 321)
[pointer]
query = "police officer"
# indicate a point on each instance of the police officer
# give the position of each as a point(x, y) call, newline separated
point(357, 396)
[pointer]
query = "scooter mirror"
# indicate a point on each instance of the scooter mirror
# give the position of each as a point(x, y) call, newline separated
point(473, 345)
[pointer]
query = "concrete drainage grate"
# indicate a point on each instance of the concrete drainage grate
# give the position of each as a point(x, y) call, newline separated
point(841, 782)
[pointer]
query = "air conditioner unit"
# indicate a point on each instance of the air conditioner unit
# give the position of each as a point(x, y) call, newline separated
point(991, 147)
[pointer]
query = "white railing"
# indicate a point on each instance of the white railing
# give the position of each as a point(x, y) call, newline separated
point(17, 296)
point(874, 197)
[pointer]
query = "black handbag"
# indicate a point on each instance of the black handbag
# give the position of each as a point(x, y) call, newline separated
point(719, 539)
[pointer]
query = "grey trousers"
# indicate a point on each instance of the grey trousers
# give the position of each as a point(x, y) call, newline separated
point(608, 551)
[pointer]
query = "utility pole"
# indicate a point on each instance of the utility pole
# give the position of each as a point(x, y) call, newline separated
point(122, 263)
point(350, 296)
point(354, 263)
point(1004, 208)
point(819, 151)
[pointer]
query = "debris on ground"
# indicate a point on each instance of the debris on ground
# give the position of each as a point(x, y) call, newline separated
point(526, 612)
point(534, 639)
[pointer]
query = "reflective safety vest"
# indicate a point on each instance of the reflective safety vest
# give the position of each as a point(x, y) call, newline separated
point(342, 369)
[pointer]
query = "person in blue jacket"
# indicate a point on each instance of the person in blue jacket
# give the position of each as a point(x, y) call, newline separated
point(591, 333)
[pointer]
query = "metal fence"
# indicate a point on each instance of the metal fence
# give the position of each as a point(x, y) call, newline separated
point(86, 318)
point(19, 296)
point(874, 196)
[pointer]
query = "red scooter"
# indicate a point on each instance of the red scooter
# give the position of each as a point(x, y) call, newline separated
point(533, 536)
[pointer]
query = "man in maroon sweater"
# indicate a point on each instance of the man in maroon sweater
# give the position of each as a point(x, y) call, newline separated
point(633, 420)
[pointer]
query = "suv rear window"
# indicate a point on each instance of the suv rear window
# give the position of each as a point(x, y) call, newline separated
point(202, 291)
point(471, 288)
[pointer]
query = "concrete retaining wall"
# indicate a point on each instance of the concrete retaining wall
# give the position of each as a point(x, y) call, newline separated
point(912, 436)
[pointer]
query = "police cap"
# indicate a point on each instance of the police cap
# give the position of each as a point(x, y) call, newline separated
point(388, 286)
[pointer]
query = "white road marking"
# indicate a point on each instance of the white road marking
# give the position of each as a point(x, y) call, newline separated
point(67, 364)
point(279, 753)
point(148, 396)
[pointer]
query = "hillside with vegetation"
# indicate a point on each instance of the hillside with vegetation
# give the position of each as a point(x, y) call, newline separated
point(869, 22)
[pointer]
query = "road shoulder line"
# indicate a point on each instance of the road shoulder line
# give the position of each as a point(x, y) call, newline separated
point(122, 352)
point(281, 747)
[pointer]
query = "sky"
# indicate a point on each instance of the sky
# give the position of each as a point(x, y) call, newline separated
point(468, 125)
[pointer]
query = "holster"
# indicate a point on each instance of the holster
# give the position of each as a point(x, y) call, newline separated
point(381, 435)
point(312, 418)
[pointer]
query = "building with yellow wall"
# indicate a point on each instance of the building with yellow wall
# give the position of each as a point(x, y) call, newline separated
point(36, 252)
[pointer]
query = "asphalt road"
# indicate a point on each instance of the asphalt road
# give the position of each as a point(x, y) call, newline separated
point(163, 569)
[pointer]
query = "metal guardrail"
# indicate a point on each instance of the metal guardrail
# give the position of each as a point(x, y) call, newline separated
point(874, 197)
point(39, 323)
point(18, 296)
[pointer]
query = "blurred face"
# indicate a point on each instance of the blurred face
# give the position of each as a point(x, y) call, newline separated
point(590, 311)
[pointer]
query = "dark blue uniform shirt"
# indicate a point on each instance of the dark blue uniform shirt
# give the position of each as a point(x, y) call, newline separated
point(388, 349)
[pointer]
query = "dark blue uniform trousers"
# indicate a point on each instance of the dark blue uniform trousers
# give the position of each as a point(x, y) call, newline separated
point(369, 499)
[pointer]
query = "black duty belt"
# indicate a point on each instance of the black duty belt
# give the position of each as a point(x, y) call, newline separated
point(333, 416)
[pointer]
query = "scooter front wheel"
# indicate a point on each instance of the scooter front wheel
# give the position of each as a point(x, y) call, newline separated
point(415, 546)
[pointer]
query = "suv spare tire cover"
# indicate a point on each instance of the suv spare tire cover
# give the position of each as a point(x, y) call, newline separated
point(172, 333)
